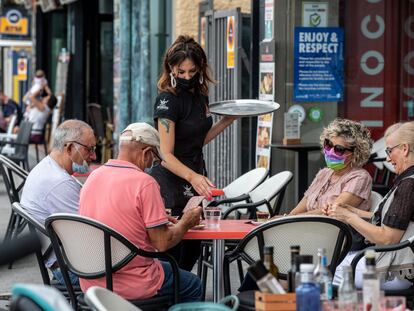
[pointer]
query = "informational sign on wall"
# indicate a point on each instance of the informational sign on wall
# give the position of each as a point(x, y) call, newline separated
point(268, 20)
point(263, 139)
point(318, 64)
point(267, 81)
point(14, 23)
point(230, 42)
point(314, 14)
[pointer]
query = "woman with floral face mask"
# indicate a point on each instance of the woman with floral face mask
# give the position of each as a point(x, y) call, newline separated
point(346, 146)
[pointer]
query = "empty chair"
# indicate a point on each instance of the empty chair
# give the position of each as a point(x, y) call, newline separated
point(101, 299)
point(92, 250)
point(14, 178)
point(261, 197)
point(17, 150)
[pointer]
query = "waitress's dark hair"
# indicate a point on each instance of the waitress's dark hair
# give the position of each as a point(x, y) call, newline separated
point(185, 47)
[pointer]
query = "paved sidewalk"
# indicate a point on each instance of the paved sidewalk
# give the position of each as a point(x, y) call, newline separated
point(26, 269)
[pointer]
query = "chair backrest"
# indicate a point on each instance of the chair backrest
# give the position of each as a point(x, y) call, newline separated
point(375, 199)
point(12, 124)
point(23, 138)
point(269, 189)
point(39, 229)
point(245, 183)
point(310, 232)
point(14, 178)
point(101, 299)
point(96, 120)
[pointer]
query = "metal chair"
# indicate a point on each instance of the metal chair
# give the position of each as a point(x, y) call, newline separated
point(101, 299)
point(45, 252)
point(14, 178)
point(408, 293)
point(310, 232)
point(17, 150)
point(93, 250)
point(260, 198)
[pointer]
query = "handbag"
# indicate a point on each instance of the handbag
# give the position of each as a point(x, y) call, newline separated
point(208, 306)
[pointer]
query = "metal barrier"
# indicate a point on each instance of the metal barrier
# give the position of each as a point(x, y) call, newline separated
point(223, 154)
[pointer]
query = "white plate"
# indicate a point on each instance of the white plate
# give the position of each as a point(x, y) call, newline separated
point(243, 107)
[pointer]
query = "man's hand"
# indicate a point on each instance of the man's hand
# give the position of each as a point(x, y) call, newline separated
point(172, 219)
point(191, 218)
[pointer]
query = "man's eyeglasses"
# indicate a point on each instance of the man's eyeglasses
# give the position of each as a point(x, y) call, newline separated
point(157, 158)
point(91, 149)
point(338, 149)
point(389, 150)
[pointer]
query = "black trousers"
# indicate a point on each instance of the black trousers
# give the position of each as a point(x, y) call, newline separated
point(186, 253)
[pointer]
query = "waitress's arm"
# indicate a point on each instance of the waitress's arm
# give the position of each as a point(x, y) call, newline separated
point(200, 183)
point(218, 127)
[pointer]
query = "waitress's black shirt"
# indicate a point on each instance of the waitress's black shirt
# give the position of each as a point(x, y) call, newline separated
point(189, 111)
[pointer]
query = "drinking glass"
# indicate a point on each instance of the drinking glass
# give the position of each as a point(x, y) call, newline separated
point(262, 216)
point(395, 303)
point(212, 215)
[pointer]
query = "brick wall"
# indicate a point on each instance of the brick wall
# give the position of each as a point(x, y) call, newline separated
point(186, 14)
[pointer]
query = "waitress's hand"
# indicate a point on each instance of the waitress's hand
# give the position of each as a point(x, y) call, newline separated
point(230, 119)
point(202, 185)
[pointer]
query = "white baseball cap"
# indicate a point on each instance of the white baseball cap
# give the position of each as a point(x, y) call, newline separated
point(144, 133)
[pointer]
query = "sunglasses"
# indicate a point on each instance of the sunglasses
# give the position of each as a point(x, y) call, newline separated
point(389, 150)
point(338, 149)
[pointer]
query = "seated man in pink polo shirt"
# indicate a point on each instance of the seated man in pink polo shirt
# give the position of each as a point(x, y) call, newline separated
point(120, 195)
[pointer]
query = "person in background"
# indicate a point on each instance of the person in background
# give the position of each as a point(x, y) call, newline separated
point(182, 117)
point(38, 100)
point(122, 196)
point(392, 220)
point(8, 108)
point(50, 188)
point(346, 147)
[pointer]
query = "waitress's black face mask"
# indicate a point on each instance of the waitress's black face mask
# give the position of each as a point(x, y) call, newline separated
point(188, 84)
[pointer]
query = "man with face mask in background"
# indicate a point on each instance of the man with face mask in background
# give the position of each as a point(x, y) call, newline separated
point(50, 188)
point(121, 195)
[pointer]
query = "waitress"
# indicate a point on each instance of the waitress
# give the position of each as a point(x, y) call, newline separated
point(183, 120)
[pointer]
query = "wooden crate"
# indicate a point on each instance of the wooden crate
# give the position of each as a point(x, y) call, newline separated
point(279, 302)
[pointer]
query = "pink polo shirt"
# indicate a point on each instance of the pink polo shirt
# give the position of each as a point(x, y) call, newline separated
point(128, 200)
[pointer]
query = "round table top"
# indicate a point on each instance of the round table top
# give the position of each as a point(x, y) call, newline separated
point(228, 229)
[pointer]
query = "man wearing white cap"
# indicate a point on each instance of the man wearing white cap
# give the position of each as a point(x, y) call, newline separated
point(122, 196)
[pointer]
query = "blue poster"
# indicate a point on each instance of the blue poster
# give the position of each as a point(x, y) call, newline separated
point(318, 64)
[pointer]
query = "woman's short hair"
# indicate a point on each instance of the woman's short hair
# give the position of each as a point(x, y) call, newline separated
point(404, 132)
point(355, 134)
point(185, 47)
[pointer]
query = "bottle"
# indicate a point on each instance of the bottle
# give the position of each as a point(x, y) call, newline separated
point(266, 282)
point(347, 294)
point(294, 251)
point(370, 283)
point(268, 261)
point(300, 259)
point(323, 276)
point(307, 293)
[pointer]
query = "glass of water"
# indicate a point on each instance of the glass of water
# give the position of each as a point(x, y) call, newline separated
point(212, 215)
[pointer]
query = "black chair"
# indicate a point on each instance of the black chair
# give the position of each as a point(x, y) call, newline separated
point(45, 252)
point(310, 232)
point(409, 292)
point(14, 178)
point(268, 195)
point(42, 142)
point(17, 150)
point(93, 250)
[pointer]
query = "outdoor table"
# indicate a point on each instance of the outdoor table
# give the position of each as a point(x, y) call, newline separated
point(301, 174)
point(228, 230)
